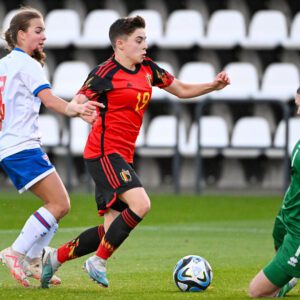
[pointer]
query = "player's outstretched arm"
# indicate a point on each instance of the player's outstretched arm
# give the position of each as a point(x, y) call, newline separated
point(71, 109)
point(189, 90)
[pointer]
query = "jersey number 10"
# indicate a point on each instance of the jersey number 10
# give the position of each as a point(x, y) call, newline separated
point(2, 106)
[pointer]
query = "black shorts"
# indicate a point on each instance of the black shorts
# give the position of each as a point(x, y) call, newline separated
point(112, 176)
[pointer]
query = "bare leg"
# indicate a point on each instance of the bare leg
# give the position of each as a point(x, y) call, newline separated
point(261, 286)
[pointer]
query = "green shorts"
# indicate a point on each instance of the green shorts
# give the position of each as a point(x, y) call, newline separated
point(286, 263)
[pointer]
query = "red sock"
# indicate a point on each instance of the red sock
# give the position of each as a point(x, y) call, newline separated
point(86, 243)
point(117, 233)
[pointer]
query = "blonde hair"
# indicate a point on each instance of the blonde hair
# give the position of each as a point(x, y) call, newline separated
point(21, 21)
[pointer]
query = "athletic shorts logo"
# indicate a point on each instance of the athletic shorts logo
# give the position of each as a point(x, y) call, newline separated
point(46, 158)
point(125, 175)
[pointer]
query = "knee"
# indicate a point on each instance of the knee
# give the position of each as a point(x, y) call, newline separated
point(142, 208)
point(255, 292)
point(63, 207)
point(146, 206)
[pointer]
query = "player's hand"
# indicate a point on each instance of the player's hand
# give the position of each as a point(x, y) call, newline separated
point(221, 81)
point(89, 119)
point(89, 108)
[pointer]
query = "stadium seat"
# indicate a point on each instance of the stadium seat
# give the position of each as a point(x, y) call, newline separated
point(148, 170)
point(251, 136)
point(160, 138)
point(214, 136)
point(267, 30)
point(68, 78)
point(244, 82)
point(117, 5)
point(194, 72)
point(95, 29)
point(5, 25)
point(79, 131)
point(279, 138)
point(140, 141)
point(184, 29)
point(225, 30)
point(293, 41)
point(62, 28)
point(154, 24)
point(158, 93)
point(49, 129)
point(280, 81)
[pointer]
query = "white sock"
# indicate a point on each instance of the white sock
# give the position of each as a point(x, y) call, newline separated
point(38, 225)
point(36, 250)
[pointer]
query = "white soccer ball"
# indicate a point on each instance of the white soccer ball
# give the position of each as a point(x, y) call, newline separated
point(192, 273)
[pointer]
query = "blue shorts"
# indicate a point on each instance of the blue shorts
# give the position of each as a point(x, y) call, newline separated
point(27, 167)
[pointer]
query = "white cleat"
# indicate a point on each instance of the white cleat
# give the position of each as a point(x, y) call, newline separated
point(14, 262)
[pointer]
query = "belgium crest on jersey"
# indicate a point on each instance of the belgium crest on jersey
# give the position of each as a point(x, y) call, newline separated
point(149, 79)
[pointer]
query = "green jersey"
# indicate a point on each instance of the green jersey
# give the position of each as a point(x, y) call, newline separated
point(290, 210)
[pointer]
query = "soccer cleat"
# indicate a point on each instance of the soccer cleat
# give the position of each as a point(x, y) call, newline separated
point(33, 268)
point(96, 269)
point(286, 288)
point(14, 262)
point(50, 265)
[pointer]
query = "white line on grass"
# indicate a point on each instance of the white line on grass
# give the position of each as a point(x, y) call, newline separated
point(166, 228)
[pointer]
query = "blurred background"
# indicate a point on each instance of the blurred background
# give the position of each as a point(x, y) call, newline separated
point(235, 140)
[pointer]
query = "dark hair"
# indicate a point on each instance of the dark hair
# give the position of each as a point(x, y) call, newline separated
point(124, 27)
point(21, 21)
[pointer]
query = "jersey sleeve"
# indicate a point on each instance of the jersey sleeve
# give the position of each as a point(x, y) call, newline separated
point(34, 78)
point(95, 85)
point(161, 77)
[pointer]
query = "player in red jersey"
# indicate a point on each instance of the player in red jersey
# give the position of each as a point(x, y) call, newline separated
point(123, 84)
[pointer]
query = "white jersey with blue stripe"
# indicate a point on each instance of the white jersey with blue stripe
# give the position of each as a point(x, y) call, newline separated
point(21, 79)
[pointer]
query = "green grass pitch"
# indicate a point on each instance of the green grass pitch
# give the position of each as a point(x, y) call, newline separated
point(232, 232)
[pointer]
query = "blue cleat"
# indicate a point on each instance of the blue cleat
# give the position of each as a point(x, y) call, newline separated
point(50, 265)
point(96, 268)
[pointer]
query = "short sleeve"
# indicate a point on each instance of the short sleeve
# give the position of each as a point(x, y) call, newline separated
point(34, 78)
point(161, 77)
point(95, 85)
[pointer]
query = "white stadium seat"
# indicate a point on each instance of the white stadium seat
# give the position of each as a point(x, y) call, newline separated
point(244, 82)
point(293, 41)
point(79, 131)
point(160, 137)
point(194, 72)
point(154, 24)
point(49, 129)
point(279, 139)
point(62, 28)
point(68, 78)
point(267, 30)
point(184, 29)
point(5, 25)
point(213, 135)
point(249, 133)
point(280, 81)
point(95, 29)
point(226, 29)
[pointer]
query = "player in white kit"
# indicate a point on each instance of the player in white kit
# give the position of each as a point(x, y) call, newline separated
point(23, 86)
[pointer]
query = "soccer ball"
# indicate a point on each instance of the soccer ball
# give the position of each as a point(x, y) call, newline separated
point(192, 274)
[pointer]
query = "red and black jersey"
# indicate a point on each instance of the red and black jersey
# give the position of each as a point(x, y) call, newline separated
point(126, 95)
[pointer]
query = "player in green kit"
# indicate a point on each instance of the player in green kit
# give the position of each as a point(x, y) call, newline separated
point(283, 271)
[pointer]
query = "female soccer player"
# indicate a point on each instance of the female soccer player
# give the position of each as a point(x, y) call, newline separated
point(23, 86)
point(123, 84)
point(281, 274)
